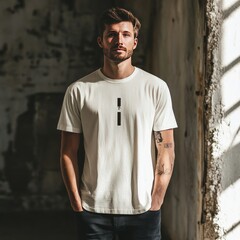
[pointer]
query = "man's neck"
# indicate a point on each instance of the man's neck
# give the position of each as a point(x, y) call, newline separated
point(117, 70)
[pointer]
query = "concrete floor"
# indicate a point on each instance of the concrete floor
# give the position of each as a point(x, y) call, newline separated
point(37, 226)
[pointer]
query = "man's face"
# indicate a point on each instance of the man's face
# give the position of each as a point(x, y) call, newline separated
point(118, 41)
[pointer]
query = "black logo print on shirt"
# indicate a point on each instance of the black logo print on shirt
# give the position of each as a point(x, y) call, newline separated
point(119, 100)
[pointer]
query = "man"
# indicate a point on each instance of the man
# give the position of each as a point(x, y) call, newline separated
point(120, 110)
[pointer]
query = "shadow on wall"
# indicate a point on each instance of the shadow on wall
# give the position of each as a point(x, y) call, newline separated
point(229, 197)
point(231, 157)
point(32, 160)
point(230, 10)
point(235, 226)
point(231, 166)
point(231, 162)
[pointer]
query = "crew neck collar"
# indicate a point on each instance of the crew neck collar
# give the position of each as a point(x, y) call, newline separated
point(121, 80)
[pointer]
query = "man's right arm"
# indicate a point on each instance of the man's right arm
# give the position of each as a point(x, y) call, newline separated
point(69, 167)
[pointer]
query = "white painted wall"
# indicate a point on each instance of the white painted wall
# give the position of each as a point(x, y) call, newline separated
point(229, 199)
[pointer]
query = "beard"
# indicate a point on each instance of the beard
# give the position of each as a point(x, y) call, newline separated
point(116, 56)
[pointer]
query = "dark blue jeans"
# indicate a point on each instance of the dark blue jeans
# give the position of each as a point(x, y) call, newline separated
point(145, 226)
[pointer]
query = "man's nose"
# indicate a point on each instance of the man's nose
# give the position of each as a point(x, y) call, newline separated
point(119, 38)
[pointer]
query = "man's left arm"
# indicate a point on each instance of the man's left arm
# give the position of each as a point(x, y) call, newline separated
point(164, 166)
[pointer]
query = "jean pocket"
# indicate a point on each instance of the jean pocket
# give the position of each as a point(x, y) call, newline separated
point(154, 211)
point(78, 213)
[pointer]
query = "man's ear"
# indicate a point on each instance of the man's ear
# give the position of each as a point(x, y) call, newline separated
point(99, 41)
point(135, 43)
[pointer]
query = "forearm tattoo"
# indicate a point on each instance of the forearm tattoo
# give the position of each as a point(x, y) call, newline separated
point(168, 145)
point(162, 170)
point(158, 137)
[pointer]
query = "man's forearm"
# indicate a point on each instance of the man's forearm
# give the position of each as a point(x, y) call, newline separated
point(70, 176)
point(161, 182)
point(69, 167)
point(164, 166)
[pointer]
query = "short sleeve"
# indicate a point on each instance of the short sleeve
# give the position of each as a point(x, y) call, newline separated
point(70, 118)
point(164, 116)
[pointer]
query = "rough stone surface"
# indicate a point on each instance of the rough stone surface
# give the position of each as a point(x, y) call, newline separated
point(213, 120)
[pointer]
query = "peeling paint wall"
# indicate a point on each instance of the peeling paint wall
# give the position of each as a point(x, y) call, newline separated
point(44, 46)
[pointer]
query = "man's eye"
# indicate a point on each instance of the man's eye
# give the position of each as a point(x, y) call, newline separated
point(111, 35)
point(126, 35)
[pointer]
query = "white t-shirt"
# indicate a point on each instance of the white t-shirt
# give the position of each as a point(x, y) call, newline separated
point(117, 118)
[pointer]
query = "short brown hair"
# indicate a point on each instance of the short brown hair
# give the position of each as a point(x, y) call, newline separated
point(116, 15)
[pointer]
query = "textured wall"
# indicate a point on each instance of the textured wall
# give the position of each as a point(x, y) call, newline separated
point(44, 46)
point(222, 186)
point(213, 119)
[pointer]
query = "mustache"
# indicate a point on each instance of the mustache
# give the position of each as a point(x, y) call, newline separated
point(118, 48)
